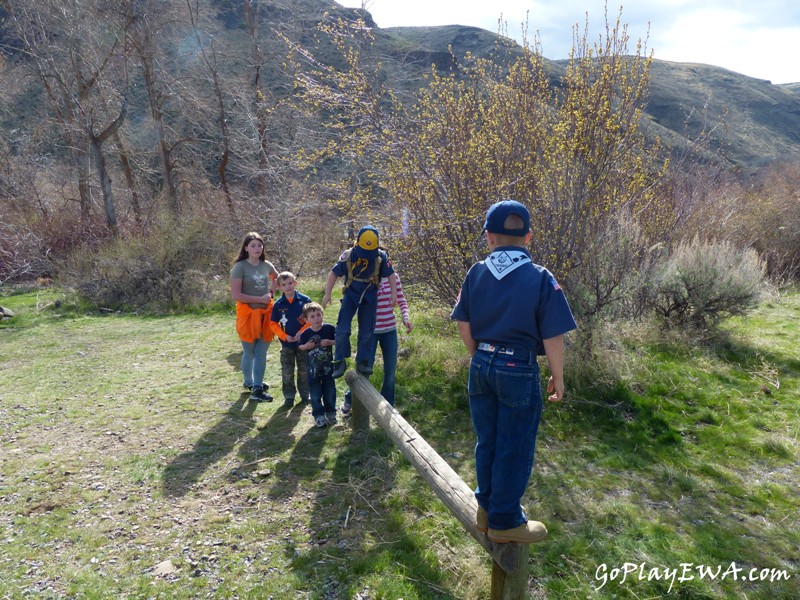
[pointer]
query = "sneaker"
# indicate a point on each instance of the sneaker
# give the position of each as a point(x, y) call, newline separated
point(288, 403)
point(364, 368)
point(259, 395)
point(249, 386)
point(346, 408)
point(482, 520)
point(320, 421)
point(331, 418)
point(527, 533)
point(340, 366)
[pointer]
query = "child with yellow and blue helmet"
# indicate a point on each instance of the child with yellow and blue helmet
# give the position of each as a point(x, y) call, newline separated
point(362, 267)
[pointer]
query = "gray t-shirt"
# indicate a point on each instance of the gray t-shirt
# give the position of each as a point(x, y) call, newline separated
point(255, 279)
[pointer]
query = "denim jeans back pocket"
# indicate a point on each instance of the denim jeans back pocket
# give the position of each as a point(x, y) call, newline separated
point(515, 385)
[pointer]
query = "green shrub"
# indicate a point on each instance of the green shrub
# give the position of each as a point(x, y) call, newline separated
point(174, 267)
point(702, 283)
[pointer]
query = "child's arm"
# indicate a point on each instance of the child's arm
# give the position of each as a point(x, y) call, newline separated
point(326, 297)
point(273, 283)
point(465, 331)
point(276, 328)
point(296, 336)
point(554, 350)
point(309, 345)
point(403, 304)
point(393, 286)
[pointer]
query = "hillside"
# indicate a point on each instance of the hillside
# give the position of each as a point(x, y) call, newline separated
point(754, 122)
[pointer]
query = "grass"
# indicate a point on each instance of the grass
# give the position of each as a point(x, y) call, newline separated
point(132, 467)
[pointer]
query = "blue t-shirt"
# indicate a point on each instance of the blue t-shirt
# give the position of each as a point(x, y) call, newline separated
point(520, 310)
point(290, 315)
point(320, 359)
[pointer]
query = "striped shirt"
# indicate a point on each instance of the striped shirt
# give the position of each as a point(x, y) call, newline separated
point(385, 320)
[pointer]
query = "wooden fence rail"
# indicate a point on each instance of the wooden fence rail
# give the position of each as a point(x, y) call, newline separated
point(509, 561)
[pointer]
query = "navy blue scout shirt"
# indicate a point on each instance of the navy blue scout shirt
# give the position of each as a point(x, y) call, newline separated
point(523, 308)
point(289, 315)
point(363, 268)
point(320, 359)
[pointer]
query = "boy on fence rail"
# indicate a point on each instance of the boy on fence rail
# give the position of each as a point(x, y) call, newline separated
point(362, 266)
point(509, 311)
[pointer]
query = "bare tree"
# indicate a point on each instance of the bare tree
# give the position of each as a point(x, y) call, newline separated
point(79, 75)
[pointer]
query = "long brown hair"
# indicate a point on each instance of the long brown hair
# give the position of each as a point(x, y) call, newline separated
point(243, 250)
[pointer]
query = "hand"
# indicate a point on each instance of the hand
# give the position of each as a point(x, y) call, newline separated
point(326, 299)
point(408, 325)
point(556, 391)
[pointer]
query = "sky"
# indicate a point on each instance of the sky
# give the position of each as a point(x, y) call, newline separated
point(758, 38)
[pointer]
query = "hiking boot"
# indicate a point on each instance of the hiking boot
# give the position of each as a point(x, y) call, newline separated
point(346, 408)
point(259, 395)
point(527, 533)
point(340, 366)
point(320, 421)
point(482, 520)
point(364, 368)
point(331, 418)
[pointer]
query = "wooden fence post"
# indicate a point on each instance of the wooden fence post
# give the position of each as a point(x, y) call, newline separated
point(509, 561)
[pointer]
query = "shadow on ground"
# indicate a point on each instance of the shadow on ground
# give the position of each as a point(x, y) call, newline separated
point(186, 469)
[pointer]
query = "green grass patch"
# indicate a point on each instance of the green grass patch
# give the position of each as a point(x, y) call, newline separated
point(132, 465)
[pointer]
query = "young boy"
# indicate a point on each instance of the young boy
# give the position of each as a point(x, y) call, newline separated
point(509, 311)
point(286, 321)
point(316, 339)
point(362, 266)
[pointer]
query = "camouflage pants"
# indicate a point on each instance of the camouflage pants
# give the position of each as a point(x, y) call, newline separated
point(291, 359)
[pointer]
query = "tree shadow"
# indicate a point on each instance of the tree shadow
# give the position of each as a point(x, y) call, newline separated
point(186, 469)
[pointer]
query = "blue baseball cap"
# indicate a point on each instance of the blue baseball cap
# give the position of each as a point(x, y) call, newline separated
point(499, 211)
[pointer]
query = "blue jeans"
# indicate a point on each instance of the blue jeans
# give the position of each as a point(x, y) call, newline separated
point(323, 395)
point(366, 305)
point(254, 362)
point(505, 400)
point(387, 340)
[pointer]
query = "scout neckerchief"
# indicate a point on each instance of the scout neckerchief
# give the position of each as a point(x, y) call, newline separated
point(502, 262)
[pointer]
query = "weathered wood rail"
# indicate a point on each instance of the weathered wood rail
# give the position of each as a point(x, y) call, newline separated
point(509, 561)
